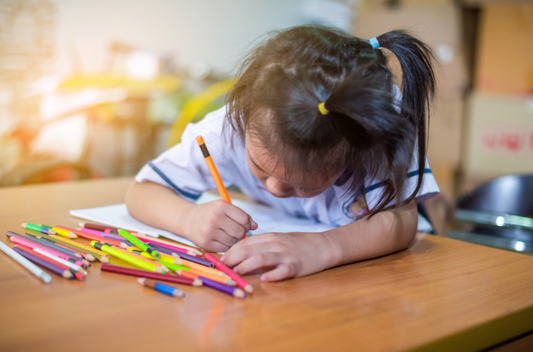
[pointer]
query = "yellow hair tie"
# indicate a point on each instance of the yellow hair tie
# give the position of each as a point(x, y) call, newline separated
point(322, 109)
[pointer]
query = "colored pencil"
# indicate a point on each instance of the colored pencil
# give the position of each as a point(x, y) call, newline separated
point(33, 245)
point(222, 267)
point(77, 274)
point(163, 268)
point(37, 240)
point(34, 269)
point(97, 227)
point(99, 255)
point(150, 275)
point(43, 230)
point(194, 259)
point(161, 287)
point(101, 234)
point(230, 290)
point(203, 268)
point(90, 236)
point(188, 272)
point(61, 232)
point(126, 257)
point(172, 243)
point(47, 265)
point(73, 259)
point(85, 255)
point(61, 261)
point(213, 169)
point(139, 244)
point(54, 246)
point(164, 245)
point(164, 258)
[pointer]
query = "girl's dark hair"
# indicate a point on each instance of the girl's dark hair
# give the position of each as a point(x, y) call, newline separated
point(282, 82)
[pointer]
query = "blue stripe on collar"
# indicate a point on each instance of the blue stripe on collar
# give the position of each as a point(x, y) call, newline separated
point(382, 183)
point(167, 180)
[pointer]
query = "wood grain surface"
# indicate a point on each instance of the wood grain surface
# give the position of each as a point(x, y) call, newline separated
point(440, 294)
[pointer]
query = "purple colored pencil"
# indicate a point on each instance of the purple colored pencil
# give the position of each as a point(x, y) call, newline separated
point(230, 290)
point(194, 259)
point(46, 264)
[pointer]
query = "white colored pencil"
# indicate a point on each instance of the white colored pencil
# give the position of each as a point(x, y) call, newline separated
point(41, 274)
point(61, 260)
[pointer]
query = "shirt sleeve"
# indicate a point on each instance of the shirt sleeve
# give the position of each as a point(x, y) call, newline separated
point(374, 190)
point(183, 169)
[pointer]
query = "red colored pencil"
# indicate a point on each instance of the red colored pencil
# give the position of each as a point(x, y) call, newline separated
point(150, 275)
point(80, 276)
point(222, 267)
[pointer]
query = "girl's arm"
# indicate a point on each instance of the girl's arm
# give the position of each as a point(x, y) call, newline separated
point(214, 226)
point(286, 255)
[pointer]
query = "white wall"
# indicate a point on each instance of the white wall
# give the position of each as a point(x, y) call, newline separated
point(214, 31)
point(217, 32)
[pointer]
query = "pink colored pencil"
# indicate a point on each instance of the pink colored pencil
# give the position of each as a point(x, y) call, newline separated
point(222, 267)
point(100, 233)
point(25, 242)
point(90, 236)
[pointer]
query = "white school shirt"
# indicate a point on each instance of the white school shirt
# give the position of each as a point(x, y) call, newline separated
point(183, 169)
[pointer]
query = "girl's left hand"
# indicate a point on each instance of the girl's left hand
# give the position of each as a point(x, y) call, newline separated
point(282, 255)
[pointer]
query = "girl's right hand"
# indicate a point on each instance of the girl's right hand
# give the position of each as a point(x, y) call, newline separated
point(218, 225)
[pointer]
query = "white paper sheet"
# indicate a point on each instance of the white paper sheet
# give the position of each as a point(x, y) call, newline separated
point(268, 219)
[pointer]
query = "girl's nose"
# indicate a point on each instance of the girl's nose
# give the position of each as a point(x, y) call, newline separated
point(277, 188)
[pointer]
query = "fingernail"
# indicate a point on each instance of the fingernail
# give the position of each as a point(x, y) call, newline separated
point(263, 278)
point(222, 259)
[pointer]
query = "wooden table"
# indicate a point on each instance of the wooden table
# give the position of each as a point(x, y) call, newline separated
point(438, 295)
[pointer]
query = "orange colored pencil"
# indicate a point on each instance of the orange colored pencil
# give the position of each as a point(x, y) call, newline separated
point(213, 169)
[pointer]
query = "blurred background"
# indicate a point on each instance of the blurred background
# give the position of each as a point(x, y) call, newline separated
point(92, 89)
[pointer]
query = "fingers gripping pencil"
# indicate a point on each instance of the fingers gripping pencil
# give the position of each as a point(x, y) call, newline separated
point(213, 169)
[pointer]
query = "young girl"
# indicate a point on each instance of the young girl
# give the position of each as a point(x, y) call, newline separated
point(313, 126)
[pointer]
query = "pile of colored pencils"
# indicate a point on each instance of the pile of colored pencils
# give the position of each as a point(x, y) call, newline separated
point(156, 260)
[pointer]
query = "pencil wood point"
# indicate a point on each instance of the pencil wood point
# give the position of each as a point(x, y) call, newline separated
point(72, 235)
point(249, 289)
point(239, 293)
point(231, 282)
point(67, 274)
point(24, 224)
point(197, 282)
point(141, 280)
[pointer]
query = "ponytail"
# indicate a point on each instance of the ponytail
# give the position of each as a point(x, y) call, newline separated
point(363, 110)
point(418, 86)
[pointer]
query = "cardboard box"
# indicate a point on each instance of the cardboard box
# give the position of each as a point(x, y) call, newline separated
point(504, 62)
point(438, 25)
point(498, 138)
point(444, 144)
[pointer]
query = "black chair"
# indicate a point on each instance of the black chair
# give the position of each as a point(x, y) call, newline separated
point(498, 213)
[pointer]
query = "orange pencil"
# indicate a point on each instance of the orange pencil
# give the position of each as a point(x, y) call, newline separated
point(213, 169)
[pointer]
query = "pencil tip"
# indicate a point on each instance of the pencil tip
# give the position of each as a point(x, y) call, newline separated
point(197, 282)
point(239, 293)
point(249, 289)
